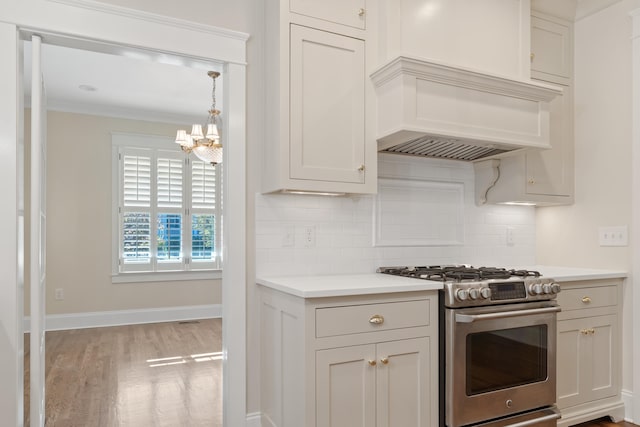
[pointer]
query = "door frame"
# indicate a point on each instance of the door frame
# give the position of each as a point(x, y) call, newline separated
point(634, 399)
point(85, 23)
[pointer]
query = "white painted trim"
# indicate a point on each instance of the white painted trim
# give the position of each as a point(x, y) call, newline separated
point(99, 319)
point(234, 268)
point(627, 399)
point(153, 17)
point(633, 408)
point(166, 276)
point(11, 228)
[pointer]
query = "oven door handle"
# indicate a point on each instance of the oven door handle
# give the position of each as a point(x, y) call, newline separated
point(470, 318)
point(539, 420)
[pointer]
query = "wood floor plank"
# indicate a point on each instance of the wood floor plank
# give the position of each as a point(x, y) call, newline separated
point(162, 374)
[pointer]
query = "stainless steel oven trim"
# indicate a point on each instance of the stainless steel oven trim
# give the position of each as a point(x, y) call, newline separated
point(543, 417)
point(461, 409)
point(469, 318)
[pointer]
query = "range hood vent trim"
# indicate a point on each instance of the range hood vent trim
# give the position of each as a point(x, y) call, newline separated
point(428, 146)
point(404, 84)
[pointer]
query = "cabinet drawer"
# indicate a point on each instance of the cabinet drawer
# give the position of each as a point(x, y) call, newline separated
point(354, 319)
point(576, 299)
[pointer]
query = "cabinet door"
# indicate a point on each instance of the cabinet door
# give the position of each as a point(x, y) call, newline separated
point(570, 360)
point(327, 106)
point(345, 387)
point(551, 172)
point(551, 50)
point(586, 366)
point(346, 12)
point(602, 367)
point(405, 389)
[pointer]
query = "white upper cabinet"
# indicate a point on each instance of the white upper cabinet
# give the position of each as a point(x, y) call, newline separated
point(541, 177)
point(327, 114)
point(551, 49)
point(345, 12)
point(320, 108)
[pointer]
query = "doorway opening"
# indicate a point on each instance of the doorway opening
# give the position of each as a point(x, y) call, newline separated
point(82, 189)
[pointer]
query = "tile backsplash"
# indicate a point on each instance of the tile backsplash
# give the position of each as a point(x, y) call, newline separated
point(433, 200)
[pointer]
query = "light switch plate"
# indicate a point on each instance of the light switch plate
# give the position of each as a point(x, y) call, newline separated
point(613, 236)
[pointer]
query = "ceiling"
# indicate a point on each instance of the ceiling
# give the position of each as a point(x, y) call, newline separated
point(128, 84)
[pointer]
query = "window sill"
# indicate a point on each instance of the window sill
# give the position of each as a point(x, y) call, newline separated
point(166, 276)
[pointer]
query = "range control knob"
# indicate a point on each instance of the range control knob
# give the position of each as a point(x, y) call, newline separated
point(555, 288)
point(546, 288)
point(485, 293)
point(462, 294)
point(474, 293)
point(535, 289)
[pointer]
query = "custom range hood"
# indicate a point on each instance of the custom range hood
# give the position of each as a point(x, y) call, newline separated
point(436, 110)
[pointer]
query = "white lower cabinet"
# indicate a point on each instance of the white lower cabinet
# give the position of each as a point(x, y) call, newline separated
point(385, 385)
point(357, 361)
point(589, 351)
point(591, 340)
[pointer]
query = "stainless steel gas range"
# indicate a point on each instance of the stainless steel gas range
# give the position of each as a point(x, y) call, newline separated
point(497, 345)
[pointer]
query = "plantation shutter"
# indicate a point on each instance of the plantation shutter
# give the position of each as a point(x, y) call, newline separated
point(135, 215)
point(170, 218)
point(204, 215)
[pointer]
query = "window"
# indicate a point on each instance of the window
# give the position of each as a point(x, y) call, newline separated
point(167, 208)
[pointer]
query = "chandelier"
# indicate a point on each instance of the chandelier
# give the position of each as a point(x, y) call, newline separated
point(206, 146)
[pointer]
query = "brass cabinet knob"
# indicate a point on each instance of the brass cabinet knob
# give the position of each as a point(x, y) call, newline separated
point(531, 181)
point(384, 360)
point(361, 168)
point(532, 56)
point(376, 319)
point(586, 300)
point(372, 363)
point(361, 12)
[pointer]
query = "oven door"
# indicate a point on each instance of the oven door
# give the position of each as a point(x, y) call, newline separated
point(500, 360)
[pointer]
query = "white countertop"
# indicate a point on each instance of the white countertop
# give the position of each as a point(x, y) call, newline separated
point(346, 284)
point(375, 283)
point(568, 274)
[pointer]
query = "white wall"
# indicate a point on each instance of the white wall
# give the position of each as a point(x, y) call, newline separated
point(344, 227)
point(569, 235)
point(79, 222)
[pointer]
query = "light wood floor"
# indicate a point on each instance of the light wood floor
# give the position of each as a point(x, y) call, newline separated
point(162, 374)
point(605, 423)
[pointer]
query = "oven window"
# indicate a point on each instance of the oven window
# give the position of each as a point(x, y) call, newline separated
point(506, 358)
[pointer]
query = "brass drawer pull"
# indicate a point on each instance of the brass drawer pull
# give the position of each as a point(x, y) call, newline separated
point(361, 12)
point(586, 300)
point(376, 319)
point(372, 363)
point(384, 360)
point(589, 331)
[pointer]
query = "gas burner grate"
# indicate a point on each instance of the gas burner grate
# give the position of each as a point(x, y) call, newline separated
point(457, 273)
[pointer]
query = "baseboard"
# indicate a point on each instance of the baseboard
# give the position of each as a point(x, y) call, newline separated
point(627, 399)
point(613, 408)
point(98, 319)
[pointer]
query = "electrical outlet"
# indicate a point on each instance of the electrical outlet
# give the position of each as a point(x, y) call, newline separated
point(309, 236)
point(613, 236)
point(59, 294)
point(511, 239)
